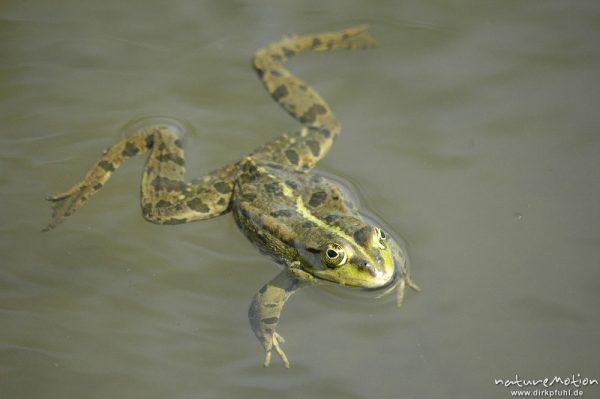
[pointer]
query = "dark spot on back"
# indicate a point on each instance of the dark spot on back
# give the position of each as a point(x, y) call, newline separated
point(321, 130)
point(273, 188)
point(331, 218)
point(276, 57)
point(222, 187)
point(280, 92)
point(149, 141)
point(107, 166)
point(314, 146)
point(312, 113)
point(97, 186)
point(316, 42)
point(248, 166)
point(221, 201)
point(249, 197)
point(129, 150)
point(170, 157)
point(292, 184)
point(270, 320)
point(292, 156)
point(317, 199)
point(276, 166)
point(308, 224)
point(319, 109)
point(362, 235)
point(164, 183)
point(163, 204)
point(283, 213)
point(146, 209)
point(197, 205)
point(275, 72)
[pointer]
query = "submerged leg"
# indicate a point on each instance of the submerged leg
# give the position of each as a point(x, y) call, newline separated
point(265, 311)
point(401, 285)
point(166, 198)
point(309, 145)
point(404, 278)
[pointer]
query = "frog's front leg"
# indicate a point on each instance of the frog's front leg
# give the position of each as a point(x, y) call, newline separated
point(265, 311)
point(403, 274)
point(166, 198)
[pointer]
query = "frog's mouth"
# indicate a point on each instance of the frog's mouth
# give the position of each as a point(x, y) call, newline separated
point(389, 286)
point(373, 282)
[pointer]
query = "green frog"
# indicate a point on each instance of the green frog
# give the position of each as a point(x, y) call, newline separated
point(301, 219)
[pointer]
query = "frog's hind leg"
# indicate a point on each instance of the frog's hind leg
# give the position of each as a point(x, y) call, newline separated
point(307, 146)
point(166, 198)
point(68, 202)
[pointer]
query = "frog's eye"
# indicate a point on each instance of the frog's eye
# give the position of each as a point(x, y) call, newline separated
point(334, 255)
point(381, 236)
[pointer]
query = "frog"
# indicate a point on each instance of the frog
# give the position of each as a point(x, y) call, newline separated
point(302, 219)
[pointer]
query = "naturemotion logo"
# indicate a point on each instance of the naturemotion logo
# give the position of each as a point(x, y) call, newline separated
point(557, 386)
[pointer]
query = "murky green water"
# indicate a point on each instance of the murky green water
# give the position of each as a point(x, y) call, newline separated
point(472, 130)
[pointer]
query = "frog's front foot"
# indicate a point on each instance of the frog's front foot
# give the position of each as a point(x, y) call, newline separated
point(275, 342)
point(265, 311)
point(402, 283)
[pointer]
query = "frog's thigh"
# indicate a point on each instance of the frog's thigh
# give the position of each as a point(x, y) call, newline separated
point(167, 199)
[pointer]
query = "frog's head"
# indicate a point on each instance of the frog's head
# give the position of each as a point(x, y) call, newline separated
point(368, 258)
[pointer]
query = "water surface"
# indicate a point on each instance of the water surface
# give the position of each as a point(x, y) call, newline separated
point(472, 131)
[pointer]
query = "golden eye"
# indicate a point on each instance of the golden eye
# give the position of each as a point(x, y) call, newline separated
point(334, 255)
point(382, 237)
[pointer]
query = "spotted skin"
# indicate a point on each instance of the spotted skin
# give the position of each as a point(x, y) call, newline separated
point(320, 127)
point(302, 220)
point(165, 197)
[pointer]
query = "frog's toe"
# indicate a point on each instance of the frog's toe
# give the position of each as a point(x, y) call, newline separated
point(68, 202)
point(277, 339)
point(406, 281)
point(412, 284)
point(275, 343)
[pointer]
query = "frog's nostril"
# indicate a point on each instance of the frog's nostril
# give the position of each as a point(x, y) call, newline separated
point(369, 268)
